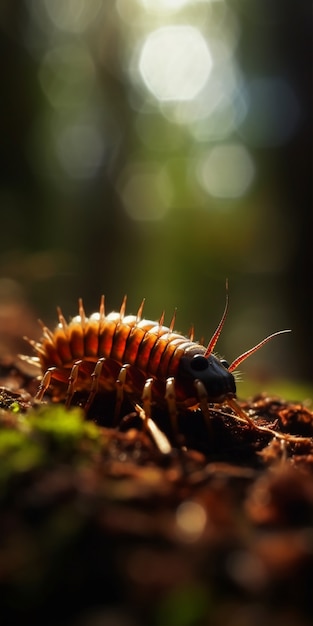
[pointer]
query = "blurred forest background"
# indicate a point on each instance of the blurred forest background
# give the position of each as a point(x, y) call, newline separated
point(156, 148)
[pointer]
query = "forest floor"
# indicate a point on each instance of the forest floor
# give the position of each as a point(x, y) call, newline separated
point(98, 527)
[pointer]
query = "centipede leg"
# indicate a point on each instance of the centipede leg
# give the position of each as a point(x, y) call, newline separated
point(120, 383)
point(203, 402)
point(171, 405)
point(157, 435)
point(95, 376)
point(146, 401)
point(72, 383)
point(44, 385)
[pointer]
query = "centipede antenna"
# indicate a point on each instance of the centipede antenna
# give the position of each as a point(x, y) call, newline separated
point(140, 310)
point(172, 324)
point(102, 308)
point(62, 319)
point(47, 333)
point(81, 312)
point(123, 307)
point(161, 320)
point(213, 341)
point(191, 333)
point(248, 353)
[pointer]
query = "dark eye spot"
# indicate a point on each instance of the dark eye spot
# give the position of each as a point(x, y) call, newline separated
point(199, 363)
point(224, 363)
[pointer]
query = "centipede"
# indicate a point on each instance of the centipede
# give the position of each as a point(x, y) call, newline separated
point(143, 360)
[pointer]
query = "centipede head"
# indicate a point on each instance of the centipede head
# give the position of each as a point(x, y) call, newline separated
point(217, 380)
point(214, 374)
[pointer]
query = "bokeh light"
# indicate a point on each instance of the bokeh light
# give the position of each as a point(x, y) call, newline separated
point(66, 75)
point(273, 112)
point(227, 171)
point(191, 519)
point(76, 162)
point(144, 194)
point(72, 15)
point(164, 6)
point(69, 16)
point(175, 63)
point(139, 135)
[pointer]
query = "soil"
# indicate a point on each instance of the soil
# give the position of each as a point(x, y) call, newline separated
point(99, 527)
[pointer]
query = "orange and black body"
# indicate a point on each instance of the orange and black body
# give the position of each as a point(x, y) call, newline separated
point(143, 360)
point(149, 349)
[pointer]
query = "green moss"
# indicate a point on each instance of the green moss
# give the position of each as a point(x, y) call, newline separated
point(43, 438)
point(62, 425)
point(18, 454)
